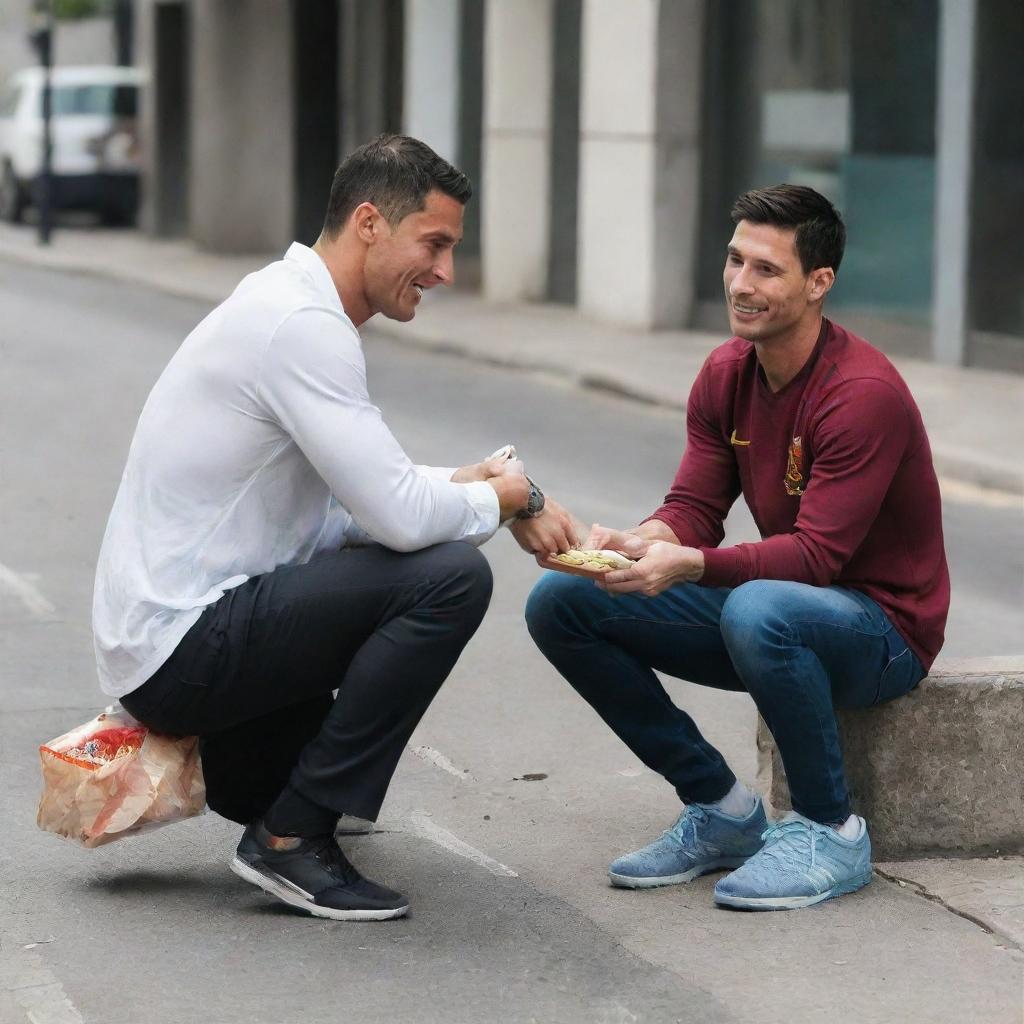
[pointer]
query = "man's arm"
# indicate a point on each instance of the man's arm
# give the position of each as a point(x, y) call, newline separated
point(707, 482)
point(859, 442)
point(313, 382)
point(463, 474)
point(858, 447)
point(705, 487)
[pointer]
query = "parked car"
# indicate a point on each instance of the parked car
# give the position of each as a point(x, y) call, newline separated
point(94, 130)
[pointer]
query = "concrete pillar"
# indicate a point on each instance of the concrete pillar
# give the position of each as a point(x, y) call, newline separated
point(954, 132)
point(145, 43)
point(639, 160)
point(242, 156)
point(516, 148)
point(563, 231)
point(162, 49)
point(371, 70)
point(471, 124)
point(430, 108)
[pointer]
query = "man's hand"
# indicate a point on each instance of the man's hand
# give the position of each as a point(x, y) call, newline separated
point(513, 492)
point(604, 538)
point(663, 566)
point(487, 470)
point(553, 532)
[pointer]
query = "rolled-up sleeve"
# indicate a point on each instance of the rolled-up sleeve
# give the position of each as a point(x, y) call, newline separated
point(313, 383)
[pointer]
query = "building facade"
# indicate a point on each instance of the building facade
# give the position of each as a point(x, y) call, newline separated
point(607, 138)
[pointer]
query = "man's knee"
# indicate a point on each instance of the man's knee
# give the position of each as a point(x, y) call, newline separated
point(463, 572)
point(753, 614)
point(557, 604)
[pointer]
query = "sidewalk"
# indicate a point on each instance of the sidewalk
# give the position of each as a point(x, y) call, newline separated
point(973, 416)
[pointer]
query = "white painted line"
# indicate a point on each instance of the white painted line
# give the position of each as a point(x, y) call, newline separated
point(442, 837)
point(22, 589)
point(435, 757)
point(966, 493)
point(42, 996)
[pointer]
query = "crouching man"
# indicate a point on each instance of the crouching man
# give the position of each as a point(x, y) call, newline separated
point(271, 542)
point(842, 603)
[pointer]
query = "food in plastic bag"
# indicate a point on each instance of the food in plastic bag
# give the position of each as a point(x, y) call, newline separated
point(113, 777)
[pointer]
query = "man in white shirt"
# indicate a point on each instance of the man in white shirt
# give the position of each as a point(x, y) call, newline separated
point(271, 542)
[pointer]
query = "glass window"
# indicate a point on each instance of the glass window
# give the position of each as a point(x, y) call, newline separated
point(108, 100)
point(838, 95)
point(996, 276)
point(9, 101)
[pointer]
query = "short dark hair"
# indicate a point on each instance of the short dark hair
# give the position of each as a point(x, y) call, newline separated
point(820, 232)
point(395, 173)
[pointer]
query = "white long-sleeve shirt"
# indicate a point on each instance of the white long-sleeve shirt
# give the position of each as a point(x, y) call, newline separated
point(258, 447)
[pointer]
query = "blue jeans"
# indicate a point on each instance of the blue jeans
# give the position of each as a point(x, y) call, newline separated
point(798, 650)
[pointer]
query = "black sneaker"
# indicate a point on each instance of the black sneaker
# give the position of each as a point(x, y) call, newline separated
point(314, 876)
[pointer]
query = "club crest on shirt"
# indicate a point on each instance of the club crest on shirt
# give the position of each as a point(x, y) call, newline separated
point(794, 478)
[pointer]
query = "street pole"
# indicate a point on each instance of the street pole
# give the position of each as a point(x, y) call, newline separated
point(43, 40)
point(124, 16)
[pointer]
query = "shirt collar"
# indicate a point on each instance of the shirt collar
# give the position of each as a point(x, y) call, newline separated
point(313, 265)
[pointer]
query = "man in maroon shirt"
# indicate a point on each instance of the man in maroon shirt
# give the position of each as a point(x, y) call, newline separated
point(841, 603)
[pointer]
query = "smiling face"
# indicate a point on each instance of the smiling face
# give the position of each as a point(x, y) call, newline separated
point(405, 259)
point(769, 297)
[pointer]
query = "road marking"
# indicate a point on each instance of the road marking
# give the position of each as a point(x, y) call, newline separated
point(435, 757)
point(972, 494)
point(442, 837)
point(38, 992)
point(22, 589)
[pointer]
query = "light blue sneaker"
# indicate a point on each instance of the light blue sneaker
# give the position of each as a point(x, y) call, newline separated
point(702, 839)
point(800, 864)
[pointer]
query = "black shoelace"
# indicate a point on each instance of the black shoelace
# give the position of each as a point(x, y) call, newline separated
point(329, 854)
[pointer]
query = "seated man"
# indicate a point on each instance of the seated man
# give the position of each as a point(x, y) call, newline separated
point(271, 542)
point(842, 603)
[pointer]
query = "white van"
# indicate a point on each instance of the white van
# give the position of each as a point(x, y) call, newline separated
point(95, 140)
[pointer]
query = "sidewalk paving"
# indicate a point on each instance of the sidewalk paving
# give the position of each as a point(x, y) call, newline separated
point(973, 416)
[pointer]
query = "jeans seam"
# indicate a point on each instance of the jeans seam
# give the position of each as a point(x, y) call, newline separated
point(654, 622)
point(789, 655)
point(838, 625)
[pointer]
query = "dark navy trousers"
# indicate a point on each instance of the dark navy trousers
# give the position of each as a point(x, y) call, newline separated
point(255, 676)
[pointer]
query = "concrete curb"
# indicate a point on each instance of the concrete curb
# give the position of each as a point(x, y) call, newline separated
point(932, 771)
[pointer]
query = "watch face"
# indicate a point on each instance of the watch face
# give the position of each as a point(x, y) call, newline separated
point(536, 503)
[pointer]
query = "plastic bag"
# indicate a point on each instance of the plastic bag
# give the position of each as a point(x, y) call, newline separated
point(113, 777)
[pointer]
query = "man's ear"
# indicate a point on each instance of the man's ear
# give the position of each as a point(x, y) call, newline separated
point(367, 222)
point(819, 282)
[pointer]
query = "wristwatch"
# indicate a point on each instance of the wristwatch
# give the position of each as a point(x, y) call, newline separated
point(535, 504)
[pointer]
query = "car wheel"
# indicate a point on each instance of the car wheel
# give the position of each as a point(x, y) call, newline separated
point(12, 197)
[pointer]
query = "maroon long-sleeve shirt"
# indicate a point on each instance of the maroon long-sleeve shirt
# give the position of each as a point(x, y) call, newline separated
point(837, 471)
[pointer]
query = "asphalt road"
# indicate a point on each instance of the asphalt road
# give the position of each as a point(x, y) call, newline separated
point(512, 917)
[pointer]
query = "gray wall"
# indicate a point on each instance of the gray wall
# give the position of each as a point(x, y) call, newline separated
point(90, 41)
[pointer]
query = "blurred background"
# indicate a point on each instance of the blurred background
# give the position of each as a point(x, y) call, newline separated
point(606, 139)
